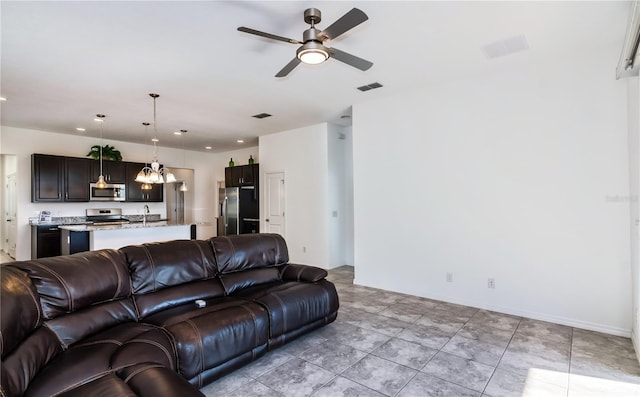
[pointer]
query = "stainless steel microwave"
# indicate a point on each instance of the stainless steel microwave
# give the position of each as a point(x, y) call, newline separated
point(112, 192)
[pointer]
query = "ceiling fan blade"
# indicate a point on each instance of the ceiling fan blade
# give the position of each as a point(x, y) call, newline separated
point(347, 22)
point(289, 67)
point(268, 35)
point(349, 59)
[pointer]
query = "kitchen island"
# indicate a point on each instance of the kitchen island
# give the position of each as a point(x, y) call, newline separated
point(77, 238)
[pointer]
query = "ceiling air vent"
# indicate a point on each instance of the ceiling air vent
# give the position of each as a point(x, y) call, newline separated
point(261, 115)
point(370, 86)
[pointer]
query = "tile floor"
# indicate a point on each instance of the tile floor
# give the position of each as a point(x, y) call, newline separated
point(389, 344)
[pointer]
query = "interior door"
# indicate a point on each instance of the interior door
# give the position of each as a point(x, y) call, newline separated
point(274, 203)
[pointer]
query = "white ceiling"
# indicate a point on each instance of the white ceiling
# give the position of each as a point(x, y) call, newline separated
point(63, 62)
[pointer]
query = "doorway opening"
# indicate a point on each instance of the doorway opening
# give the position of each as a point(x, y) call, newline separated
point(9, 207)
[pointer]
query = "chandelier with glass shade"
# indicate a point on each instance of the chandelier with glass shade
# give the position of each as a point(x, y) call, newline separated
point(153, 173)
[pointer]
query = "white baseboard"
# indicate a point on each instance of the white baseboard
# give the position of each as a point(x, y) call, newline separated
point(636, 344)
point(571, 322)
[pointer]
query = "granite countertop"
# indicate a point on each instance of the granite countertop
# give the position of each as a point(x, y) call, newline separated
point(133, 225)
point(81, 220)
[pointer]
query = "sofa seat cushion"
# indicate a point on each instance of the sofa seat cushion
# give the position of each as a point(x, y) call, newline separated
point(91, 359)
point(152, 380)
point(108, 385)
point(292, 305)
point(207, 337)
point(142, 380)
point(19, 367)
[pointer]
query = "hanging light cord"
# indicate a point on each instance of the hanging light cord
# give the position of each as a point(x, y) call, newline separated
point(101, 184)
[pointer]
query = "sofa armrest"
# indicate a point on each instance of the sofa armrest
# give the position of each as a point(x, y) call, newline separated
point(294, 272)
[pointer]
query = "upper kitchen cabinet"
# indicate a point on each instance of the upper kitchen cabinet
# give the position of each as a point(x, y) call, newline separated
point(113, 171)
point(134, 189)
point(59, 179)
point(76, 175)
point(242, 175)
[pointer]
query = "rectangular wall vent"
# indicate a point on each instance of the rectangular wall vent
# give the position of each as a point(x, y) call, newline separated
point(370, 86)
point(261, 115)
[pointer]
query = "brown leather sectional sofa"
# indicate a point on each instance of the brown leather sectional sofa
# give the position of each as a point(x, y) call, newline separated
point(126, 322)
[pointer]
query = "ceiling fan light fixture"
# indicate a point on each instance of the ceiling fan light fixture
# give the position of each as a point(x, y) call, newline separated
point(312, 53)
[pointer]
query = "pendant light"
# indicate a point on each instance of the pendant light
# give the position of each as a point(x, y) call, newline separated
point(154, 173)
point(145, 185)
point(183, 187)
point(101, 184)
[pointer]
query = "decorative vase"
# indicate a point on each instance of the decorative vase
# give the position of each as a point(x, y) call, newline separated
point(231, 163)
point(250, 159)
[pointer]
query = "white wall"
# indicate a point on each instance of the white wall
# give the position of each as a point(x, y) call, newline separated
point(634, 202)
point(302, 155)
point(337, 159)
point(348, 197)
point(513, 176)
point(208, 169)
point(314, 160)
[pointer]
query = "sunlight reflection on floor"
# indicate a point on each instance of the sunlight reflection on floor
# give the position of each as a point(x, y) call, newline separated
point(541, 382)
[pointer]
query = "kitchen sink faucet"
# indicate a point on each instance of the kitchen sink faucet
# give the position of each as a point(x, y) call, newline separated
point(145, 212)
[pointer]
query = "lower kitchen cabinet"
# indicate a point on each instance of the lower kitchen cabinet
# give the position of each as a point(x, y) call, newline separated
point(73, 241)
point(45, 241)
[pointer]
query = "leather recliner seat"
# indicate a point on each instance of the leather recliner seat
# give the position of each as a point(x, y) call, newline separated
point(126, 323)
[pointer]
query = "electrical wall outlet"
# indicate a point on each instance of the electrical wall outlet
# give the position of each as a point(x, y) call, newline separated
point(491, 283)
point(304, 249)
point(449, 277)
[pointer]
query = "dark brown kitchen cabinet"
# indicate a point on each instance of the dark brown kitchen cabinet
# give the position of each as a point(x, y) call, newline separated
point(76, 176)
point(45, 241)
point(59, 179)
point(113, 171)
point(134, 189)
point(47, 178)
point(242, 175)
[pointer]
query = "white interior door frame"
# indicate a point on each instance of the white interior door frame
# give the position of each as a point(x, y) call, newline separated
point(274, 203)
point(11, 214)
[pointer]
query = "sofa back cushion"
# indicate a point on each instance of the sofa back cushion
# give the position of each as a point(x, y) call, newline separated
point(249, 251)
point(82, 294)
point(187, 266)
point(238, 281)
point(20, 311)
point(72, 282)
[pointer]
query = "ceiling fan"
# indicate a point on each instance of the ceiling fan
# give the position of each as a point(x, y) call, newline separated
point(313, 49)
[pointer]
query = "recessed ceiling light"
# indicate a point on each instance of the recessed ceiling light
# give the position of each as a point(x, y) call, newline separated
point(240, 141)
point(80, 129)
point(208, 147)
point(155, 140)
point(2, 98)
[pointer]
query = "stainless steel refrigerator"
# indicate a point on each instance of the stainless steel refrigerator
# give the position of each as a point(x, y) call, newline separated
point(238, 208)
